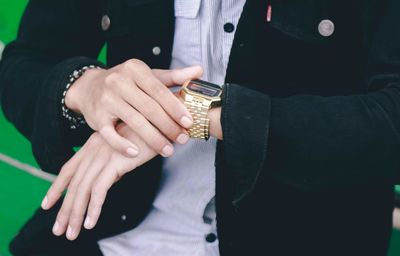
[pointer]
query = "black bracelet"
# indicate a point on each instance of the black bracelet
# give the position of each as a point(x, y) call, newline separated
point(74, 119)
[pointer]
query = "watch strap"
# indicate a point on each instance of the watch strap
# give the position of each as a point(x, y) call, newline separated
point(199, 107)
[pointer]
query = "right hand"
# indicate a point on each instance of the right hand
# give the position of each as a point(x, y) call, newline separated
point(138, 96)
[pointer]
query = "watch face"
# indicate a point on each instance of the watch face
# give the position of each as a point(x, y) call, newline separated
point(204, 88)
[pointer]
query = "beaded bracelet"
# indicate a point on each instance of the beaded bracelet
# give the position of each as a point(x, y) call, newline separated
point(74, 119)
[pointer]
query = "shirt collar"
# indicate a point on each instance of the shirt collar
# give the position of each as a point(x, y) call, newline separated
point(187, 8)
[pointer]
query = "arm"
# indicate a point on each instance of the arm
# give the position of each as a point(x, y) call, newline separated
point(55, 38)
point(102, 166)
point(312, 142)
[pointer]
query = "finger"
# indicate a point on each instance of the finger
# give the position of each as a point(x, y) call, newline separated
point(98, 194)
point(64, 213)
point(174, 77)
point(63, 179)
point(147, 82)
point(82, 195)
point(145, 130)
point(117, 142)
point(153, 112)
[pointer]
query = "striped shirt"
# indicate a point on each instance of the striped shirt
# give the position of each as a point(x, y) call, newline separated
point(182, 220)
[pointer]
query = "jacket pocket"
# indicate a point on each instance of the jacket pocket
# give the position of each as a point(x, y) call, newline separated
point(139, 18)
point(307, 20)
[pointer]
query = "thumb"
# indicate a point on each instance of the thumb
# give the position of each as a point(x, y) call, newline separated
point(173, 77)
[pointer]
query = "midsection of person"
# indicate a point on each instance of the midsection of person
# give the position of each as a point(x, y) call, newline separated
point(183, 212)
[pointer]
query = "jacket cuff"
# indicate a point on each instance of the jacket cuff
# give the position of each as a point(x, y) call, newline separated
point(53, 140)
point(245, 119)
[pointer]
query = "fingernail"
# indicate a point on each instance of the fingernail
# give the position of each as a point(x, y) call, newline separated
point(44, 203)
point(132, 152)
point(56, 229)
point(167, 151)
point(183, 138)
point(186, 122)
point(87, 222)
point(70, 233)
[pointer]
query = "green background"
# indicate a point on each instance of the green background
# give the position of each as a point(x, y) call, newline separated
point(21, 193)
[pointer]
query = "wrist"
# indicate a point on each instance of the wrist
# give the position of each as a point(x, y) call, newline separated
point(72, 98)
point(75, 94)
point(214, 115)
point(72, 101)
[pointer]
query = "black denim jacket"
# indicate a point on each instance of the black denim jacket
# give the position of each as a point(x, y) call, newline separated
point(310, 123)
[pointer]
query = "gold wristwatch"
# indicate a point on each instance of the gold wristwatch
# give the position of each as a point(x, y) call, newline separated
point(199, 97)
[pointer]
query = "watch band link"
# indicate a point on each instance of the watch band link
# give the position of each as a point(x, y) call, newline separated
point(199, 107)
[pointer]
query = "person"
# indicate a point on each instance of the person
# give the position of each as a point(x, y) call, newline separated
point(306, 134)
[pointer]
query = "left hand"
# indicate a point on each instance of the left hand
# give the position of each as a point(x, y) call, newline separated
point(91, 172)
point(88, 175)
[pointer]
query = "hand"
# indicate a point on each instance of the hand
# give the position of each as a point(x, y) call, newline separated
point(89, 174)
point(138, 96)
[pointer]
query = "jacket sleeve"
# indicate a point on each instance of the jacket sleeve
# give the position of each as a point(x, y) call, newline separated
point(54, 39)
point(313, 142)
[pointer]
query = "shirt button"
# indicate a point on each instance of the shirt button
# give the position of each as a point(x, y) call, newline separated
point(229, 27)
point(326, 28)
point(105, 23)
point(211, 238)
point(156, 50)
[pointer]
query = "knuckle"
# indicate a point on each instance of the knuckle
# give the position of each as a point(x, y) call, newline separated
point(81, 190)
point(73, 186)
point(150, 108)
point(168, 127)
point(95, 136)
point(75, 216)
point(94, 207)
point(159, 92)
point(174, 74)
point(103, 131)
point(132, 119)
point(65, 168)
point(106, 99)
point(53, 193)
point(135, 67)
point(158, 144)
point(153, 114)
point(130, 65)
point(135, 63)
point(112, 79)
point(172, 131)
point(95, 140)
point(62, 216)
point(139, 125)
point(50, 195)
point(97, 191)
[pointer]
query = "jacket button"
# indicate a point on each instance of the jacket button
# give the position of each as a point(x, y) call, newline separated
point(326, 28)
point(156, 50)
point(123, 217)
point(105, 23)
point(211, 238)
